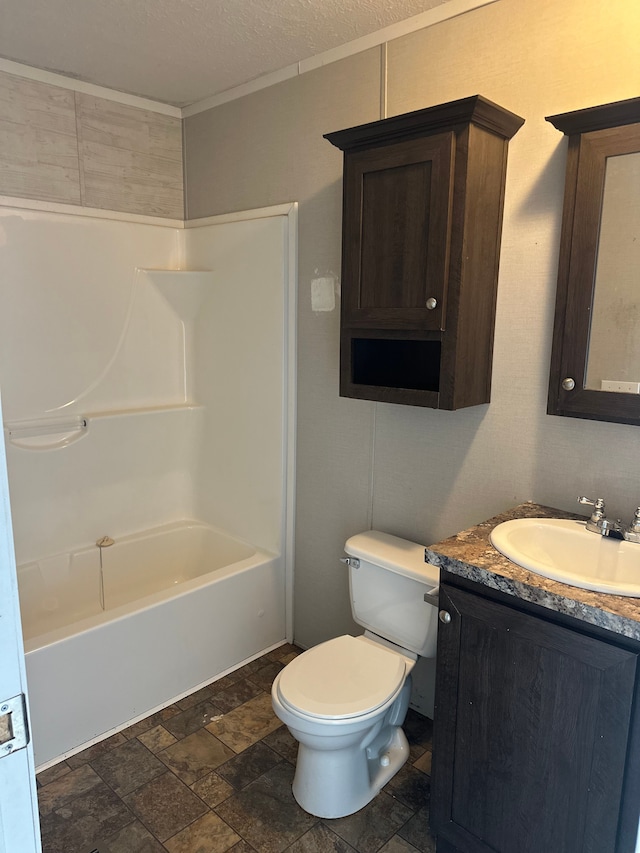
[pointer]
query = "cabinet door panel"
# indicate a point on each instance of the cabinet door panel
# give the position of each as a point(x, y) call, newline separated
point(396, 233)
point(530, 742)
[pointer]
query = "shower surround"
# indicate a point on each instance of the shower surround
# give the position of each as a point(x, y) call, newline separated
point(147, 398)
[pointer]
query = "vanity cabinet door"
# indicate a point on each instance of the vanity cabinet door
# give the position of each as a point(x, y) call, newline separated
point(532, 725)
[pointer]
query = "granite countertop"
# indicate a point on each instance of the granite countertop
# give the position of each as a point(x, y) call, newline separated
point(471, 555)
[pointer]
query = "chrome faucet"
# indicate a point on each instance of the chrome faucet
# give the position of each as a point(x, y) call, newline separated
point(599, 523)
point(632, 532)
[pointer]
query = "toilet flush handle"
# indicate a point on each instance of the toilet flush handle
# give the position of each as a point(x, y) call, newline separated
point(352, 562)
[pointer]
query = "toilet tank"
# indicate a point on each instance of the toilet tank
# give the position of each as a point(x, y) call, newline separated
point(388, 578)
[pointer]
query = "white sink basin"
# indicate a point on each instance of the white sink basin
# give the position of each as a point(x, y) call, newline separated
point(566, 551)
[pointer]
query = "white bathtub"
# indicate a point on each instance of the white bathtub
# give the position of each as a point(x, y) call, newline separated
point(183, 603)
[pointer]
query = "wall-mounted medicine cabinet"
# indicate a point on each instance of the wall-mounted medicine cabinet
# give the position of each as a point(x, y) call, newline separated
point(595, 361)
point(422, 217)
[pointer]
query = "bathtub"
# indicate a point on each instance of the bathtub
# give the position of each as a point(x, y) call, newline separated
point(171, 609)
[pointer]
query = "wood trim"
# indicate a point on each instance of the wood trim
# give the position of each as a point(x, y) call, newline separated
point(445, 714)
point(476, 109)
point(584, 186)
point(473, 278)
point(555, 370)
point(597, 118)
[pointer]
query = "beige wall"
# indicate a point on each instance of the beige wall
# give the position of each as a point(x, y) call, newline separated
point(68, 147)
point(415, 472)
point(266, 149)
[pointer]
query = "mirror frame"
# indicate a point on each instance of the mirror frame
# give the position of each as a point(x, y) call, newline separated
point(594, 134)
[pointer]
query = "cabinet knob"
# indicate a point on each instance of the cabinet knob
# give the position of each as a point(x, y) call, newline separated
point(444, 616)
point(568, 384)
point(432, 303)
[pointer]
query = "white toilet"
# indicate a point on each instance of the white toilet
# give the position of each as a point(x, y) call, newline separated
point(345, 700)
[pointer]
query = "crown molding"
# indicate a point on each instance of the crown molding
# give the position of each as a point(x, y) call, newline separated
point(443, 12)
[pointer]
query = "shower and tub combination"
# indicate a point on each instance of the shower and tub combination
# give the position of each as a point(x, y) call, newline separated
point(147, 379)
point(182, 603)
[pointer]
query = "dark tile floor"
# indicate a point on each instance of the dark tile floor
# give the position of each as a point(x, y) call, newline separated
point(213, 773)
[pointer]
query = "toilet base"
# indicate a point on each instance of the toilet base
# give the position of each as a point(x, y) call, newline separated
point(336, 783)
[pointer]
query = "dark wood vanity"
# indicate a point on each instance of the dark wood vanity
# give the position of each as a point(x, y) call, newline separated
point(422, 216)
point(537, 729)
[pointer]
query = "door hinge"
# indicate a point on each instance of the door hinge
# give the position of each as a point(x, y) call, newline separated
point(14, 731)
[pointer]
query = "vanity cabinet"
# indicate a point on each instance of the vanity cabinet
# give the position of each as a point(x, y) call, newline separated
point(422, 216)
point(535, 740)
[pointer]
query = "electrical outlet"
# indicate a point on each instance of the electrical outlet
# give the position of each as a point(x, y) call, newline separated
point(620, 387)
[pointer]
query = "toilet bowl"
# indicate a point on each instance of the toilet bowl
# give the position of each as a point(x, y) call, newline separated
point(345, 700)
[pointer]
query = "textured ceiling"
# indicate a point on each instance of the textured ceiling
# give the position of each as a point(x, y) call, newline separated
point(181, 51)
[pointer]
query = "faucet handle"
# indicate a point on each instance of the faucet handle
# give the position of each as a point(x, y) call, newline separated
point(597, 504)
point(632, 533)
point(598, 522)
point(634, 527)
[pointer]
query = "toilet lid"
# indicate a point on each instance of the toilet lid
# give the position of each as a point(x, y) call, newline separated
point(344, 677)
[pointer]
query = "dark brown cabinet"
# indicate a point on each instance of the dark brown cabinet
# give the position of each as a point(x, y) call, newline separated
point(422, 216)
point(595, 361)
point(535, 735)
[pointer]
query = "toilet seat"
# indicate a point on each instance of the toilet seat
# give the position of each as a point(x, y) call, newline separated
point(341, 678)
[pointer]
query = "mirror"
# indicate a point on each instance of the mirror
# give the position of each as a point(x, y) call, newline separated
point(595, 364)
point(613, 357)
